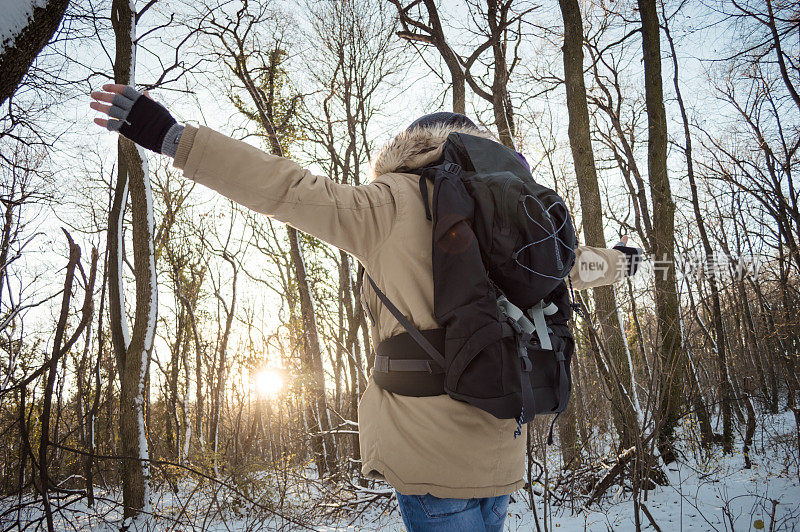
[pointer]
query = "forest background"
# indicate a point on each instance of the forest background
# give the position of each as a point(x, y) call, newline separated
point(169, 357)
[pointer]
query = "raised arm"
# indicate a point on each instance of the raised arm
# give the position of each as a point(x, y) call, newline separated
point(355, 219)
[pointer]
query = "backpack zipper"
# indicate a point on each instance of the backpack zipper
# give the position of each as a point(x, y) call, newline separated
point(506, 200)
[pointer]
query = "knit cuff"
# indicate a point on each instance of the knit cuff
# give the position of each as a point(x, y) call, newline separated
point(184, 147)
point(170, 143)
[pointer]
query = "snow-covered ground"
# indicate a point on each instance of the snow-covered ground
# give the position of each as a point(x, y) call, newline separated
point(717, 494)
point(722, 496)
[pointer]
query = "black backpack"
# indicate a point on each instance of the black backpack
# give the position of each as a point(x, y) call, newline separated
point(502, 247)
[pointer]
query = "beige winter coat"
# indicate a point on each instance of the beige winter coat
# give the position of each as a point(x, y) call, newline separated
point(420, 445)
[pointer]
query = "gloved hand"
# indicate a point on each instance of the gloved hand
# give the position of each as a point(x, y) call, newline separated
point(634, 255)
point(139, 118)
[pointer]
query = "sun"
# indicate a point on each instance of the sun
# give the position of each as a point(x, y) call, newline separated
point(268, 383)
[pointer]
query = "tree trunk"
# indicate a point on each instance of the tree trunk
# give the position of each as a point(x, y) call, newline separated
point(216, 411)
point(568, 436)
point(323, 444)
point(501, 101)
point(44, 441)
point(725, 393)
point(625, 418)
point(133, 353)
point(199, 401)
point(673, 363)
point(171, 414)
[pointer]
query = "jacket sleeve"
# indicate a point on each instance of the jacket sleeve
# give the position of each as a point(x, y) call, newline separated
point(356, 219)
point(597, 267)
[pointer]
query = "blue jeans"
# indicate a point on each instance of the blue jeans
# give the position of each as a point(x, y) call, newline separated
point(426, 513)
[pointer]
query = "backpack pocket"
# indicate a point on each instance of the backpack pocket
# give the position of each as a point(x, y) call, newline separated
point(485, 372)
point(551, 380)
point(472, 368)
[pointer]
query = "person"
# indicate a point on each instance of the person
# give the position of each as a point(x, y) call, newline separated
point(453, 466)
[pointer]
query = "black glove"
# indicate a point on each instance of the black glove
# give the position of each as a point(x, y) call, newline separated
point(634, 256)
point(144, 121)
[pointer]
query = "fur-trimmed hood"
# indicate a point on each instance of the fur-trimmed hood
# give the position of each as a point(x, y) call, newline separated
point(417, 147)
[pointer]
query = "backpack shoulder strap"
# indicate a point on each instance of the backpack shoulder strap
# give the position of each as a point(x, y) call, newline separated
point(408, 326)
point(360, 285)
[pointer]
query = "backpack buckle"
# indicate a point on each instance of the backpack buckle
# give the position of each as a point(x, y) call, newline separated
point(452, 168)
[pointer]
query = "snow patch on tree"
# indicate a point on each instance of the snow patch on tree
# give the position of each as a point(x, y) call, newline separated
point(16, 16)
point(144, 453)
point(634, 394)
point(153, 311)
point(126, 334)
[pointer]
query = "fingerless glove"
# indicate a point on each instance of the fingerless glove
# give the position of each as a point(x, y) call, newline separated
point(144, 121)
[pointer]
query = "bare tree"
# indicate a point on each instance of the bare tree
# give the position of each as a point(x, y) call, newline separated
point(502, 32)
point(230, 251)
point(132, 349)
point(259, 70)
point(619, 375)
point(61, 345)
point(356, 60)
point(726, 392)
point(672, 358)
point(431, 32)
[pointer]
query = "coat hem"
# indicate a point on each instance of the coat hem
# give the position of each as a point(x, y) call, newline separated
point(375, 469)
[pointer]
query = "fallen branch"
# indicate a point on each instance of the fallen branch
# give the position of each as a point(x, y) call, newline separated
point(650, 518)
point(608, 479)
